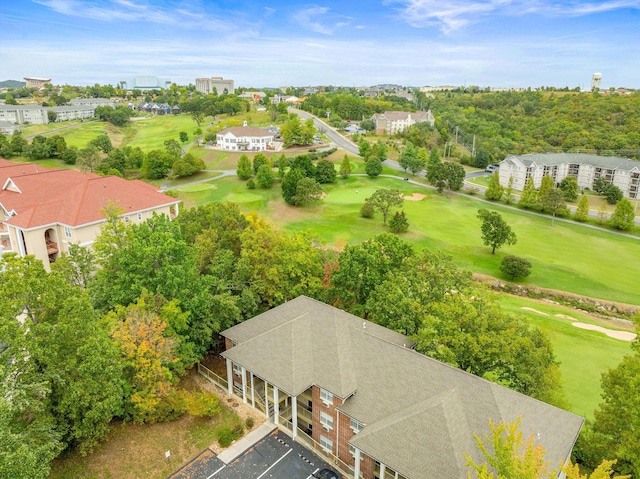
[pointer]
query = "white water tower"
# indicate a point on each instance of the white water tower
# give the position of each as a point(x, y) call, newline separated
point(595, 81)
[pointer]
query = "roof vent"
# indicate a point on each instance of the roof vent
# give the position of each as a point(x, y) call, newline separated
point(364, 325)
point(244, 123)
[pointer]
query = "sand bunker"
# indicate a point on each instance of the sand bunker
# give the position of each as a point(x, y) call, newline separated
point(623, 335)
point(415, 197)
point(526, 308)
point(565, 316)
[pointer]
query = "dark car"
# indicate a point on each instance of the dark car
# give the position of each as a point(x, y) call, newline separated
point(326, 474)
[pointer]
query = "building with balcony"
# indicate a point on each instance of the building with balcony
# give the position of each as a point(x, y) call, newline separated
point(621, 172)
point(44, 210)
point(377, 408)
point(245, 138)
point(392, 122)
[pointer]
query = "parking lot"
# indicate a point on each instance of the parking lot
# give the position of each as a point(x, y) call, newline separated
point(275, 456)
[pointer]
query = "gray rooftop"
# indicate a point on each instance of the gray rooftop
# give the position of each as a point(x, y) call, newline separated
point(552, 159)
point(419, 414)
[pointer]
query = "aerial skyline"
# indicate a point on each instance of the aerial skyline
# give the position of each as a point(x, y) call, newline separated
point(497, 43)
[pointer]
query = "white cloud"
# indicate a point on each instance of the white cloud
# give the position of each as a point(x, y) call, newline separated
point(451, 15)
point(319, 20)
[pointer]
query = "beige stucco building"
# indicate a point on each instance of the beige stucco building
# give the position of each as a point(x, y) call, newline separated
point(44, 210)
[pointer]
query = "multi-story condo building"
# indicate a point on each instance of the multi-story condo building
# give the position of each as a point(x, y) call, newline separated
point(391, 122)
point(217, 84)
point(622, 172)
point(44, 210)
point(376, 407)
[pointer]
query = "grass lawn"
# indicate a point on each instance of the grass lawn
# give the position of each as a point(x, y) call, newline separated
point(133, 451)
point(583, 355)
point(150, 133)
point(567, 257)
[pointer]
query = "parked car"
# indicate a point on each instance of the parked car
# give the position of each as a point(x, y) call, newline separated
point(326, 474)
point(492, 168)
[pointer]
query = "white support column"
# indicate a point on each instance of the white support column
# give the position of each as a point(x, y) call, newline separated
point(294, 416)
point(253, 391)
point(266, 400)
point(276, 406)
point(244, 384)
point(383, 469)
point(356, 471)
point(229, 378)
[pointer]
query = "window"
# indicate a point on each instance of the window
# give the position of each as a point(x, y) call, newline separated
point(326, 443)
point(127, 219)
point(237, 370)
point(326, 396)
point(356, 426)
point(67, 232)
point(326, 420)
point(352, 450)
point(139, 216)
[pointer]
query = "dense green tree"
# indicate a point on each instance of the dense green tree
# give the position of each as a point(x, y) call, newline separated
point(615, 432)
point(265, 176)
point(398, 222)
point(115, 160)
point(305, 164)
point(308, 192)
point(172, 147)
point(184, 136)
point(515, 267)
point(495, 190)
point(373, 167)
point(402, 298)
point(408, 156)
point(624, 216)
point(569, 187)
point(582, 211)
point(102, 143)
point(600, 185)
point(345, 167)
point(553, 202)
point(19, 146)
point(260, 159)
point(157, 164)
point(546, 185)
point(325, 172)
point(454, 174)
point(367, 210)
point(290, 184)
point(384, 199)
point(613, 194)
point(188, 165)
point(529, 197)
point(364, 149)
point(244, 169)
point(88, 159)
point(495, 230)
point(40, 149)
point(361, 268)
point(434, 167)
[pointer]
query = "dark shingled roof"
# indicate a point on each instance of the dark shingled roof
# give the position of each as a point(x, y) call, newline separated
point(419, 414)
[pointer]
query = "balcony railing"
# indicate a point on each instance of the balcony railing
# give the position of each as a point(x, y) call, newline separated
point(52, 248)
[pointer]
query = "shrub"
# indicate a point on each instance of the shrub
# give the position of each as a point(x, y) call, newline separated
point(613, 194)
point(249, 422)
point(202, 404)
point(398, 223)
point(367, 210)
point(515, 267)
point(251, 184)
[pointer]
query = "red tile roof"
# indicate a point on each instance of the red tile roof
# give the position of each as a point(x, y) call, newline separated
point(42, 196)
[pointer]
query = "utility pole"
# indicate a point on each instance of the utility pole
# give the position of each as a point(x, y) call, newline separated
point(473, 148)
point(456, 133)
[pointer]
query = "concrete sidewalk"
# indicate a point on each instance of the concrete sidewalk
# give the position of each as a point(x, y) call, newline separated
point(246, 442)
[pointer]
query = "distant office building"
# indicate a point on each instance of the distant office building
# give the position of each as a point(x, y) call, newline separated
point(33, 82)
point(217, 84)
point(144, 83)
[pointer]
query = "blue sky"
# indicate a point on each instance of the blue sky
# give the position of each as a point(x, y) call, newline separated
point(499, 43)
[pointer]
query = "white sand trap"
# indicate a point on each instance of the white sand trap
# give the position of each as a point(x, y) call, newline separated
point(526, 308)
point(565, 316)
point(415, 197)
point(623, 335)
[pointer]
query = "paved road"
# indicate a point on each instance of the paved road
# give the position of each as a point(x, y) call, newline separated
point(330, 132)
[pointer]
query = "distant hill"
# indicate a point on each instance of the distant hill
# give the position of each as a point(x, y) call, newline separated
point(12, 84)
